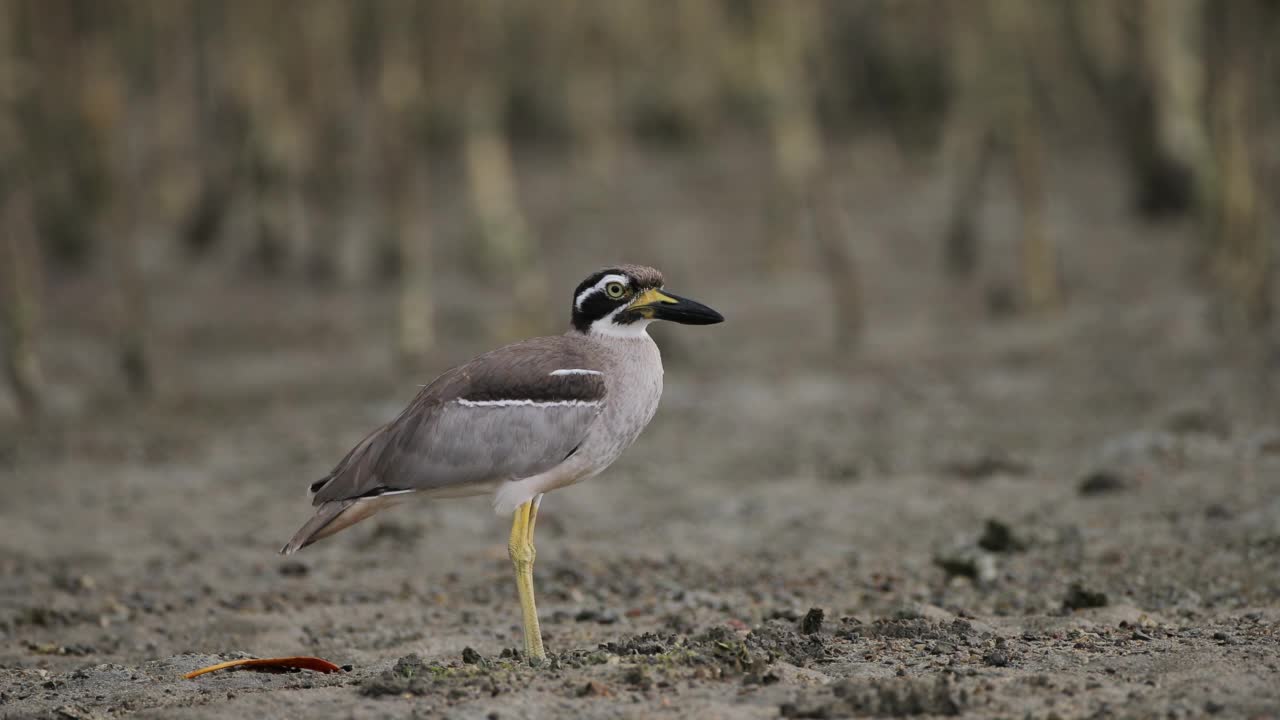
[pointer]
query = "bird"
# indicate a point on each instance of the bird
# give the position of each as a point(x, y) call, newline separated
point(518, 422)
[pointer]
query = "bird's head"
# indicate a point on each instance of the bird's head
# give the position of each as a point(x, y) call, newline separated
point(623, 300)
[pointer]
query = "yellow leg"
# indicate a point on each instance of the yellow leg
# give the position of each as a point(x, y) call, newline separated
point(522, 553)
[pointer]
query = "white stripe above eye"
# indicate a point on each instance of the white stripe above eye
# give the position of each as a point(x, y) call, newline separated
point(582, 296)
point(531, 403)
point(575, 371)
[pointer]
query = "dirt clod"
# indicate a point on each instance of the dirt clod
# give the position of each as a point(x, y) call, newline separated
point(997, 537)
point(812, 622)
point(601, 616)
point(404, 677)
point(1100, 482)
point(968, 561)
point(1078, 597)
point(986, 465)
point(594, 688)
point(1200, 421)
point(637, 678)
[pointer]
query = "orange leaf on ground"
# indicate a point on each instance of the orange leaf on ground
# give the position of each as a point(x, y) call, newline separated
point(283, 664)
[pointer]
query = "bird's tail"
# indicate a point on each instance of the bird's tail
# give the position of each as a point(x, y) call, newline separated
point(329, 519)
point(338, 515)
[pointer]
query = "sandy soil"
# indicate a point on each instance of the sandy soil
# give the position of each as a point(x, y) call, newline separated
point(974, 515)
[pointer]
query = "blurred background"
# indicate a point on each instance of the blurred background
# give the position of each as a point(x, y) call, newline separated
point(460, 164)
point(985, 263)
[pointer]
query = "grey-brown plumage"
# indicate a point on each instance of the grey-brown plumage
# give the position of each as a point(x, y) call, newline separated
point(520, 420)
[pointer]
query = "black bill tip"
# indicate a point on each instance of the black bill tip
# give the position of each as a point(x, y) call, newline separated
point(686, 311)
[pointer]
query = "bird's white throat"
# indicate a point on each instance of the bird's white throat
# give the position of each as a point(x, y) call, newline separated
point(606, 327)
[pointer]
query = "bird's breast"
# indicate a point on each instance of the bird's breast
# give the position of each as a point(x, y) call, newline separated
point(634, 389)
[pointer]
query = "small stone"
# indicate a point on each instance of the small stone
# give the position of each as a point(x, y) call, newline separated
point(407, 666)
point(637, 678)
point(1078, 598)
point(997, 537)
point(603, 617)
point(986, 465)
point(470, 656)
point(997, 658)
point(1216, 511)
point(970, 562)
point(812, 622)
point(595, 688)
point(1099, 482)
point(294, 568)
point(1198, 421)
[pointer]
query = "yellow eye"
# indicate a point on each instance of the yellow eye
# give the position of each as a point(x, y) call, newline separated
point(615, 290)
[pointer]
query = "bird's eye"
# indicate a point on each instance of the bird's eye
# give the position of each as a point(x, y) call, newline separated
point(615, 290)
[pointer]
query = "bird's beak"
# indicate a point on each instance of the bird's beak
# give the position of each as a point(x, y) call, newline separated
point(662, 305)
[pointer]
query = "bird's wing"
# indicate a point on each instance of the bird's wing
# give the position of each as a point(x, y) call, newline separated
point(511, 413)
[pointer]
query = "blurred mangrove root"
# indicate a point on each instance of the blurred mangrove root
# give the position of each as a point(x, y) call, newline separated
point(694, 80)
point(1241, 255)
point(20, 277)
point(124, 244)
point(1174, 152)
point(1143, 61)
point(492, 182)
point(417, 314)
point(838, 263)
point(967, 145)
point(361, 207)
point(402, 96)
point(119, 112)
point(19, 301)
point(1039, 258)
point(783, 37)
point(508, 246)
point(591, 97)
point(363, 196)
point(992, 63)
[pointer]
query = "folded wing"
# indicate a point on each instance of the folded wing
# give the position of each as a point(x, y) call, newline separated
point(512, 413)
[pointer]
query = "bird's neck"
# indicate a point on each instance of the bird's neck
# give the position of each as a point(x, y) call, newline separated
point(606, 329)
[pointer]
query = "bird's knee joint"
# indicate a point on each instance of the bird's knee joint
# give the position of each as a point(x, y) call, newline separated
point(522, 553)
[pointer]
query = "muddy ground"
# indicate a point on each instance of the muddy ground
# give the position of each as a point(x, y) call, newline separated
point(978, 513)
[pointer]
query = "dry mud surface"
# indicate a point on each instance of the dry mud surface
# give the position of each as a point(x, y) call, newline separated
point(971, 516)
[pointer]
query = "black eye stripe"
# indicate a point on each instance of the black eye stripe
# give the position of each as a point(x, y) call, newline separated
point(594, 307)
